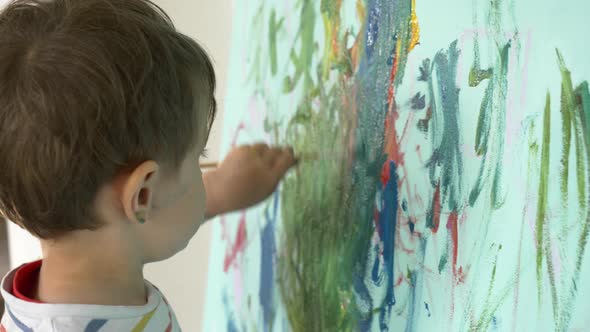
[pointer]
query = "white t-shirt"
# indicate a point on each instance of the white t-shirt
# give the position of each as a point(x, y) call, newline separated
point(25, 315)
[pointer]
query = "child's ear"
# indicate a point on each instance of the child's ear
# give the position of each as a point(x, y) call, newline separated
point(138, 191)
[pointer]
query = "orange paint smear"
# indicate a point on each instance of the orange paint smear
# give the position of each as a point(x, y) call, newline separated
point(452, 227)
point(436, 209)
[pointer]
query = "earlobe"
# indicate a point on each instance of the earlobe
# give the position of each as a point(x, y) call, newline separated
point(138, 191)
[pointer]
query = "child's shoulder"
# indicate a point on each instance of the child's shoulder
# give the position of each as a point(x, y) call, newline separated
point(25, 314)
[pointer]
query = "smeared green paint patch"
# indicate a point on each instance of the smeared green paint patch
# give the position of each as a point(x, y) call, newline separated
point(543, 191)
point(322, 252)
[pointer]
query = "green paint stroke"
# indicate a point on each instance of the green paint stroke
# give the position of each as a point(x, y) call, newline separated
point(273, 28)
point(582, 106)
point(487, 314)
point(446, 164)
point(302, 60)
point(573, 116)
point(543, 190)
point(489, 139)
point(319, 250)
point(567, 106)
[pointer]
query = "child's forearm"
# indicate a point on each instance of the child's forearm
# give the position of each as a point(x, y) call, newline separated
point(213, 201)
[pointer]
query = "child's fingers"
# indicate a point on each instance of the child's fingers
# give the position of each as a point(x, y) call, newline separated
point(284, 162)
point(271, 156)
point(261, 148)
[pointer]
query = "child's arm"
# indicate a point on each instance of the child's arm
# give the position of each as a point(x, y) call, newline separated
point(247, 176)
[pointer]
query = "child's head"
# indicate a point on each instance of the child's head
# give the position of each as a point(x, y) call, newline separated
point(104, 110)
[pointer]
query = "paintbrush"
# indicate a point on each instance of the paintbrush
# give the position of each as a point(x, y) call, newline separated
point(210, 164)
point(306, 156)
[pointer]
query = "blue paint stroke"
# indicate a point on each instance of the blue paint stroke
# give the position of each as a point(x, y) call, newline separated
point(230, 324)
point(387, 20)
point(416, 286)
point(364, 303)
point(386, 231)
point(495, 323)
point(268, 251)
point(95, 325)
point(372, 30)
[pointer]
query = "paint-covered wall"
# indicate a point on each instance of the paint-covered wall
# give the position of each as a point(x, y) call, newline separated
point(447, 184)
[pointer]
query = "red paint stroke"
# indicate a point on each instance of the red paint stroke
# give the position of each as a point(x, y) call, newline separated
point(409, 120)
point(238, 247)
point(436, 209)
point(461, 275)
point(452, 227)
point(376, 221)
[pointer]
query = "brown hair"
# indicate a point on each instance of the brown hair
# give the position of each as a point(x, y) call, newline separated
point(88, 88)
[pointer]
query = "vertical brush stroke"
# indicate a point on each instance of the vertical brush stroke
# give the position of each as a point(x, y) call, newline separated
point(543, 191)
point(582, 106)
point(445, 166)
point(572, 117)
point(487, 315)
point(388, 30)
point(491, 126)
point(273, 28)
point(567, 105)
point(490, 129)
point(386, 230)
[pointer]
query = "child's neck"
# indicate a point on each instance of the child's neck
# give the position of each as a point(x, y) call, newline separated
point(92, 267)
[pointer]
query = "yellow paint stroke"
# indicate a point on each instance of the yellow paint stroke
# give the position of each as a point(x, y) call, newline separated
point(361, 12)
point(415, 27)
point(140, 327)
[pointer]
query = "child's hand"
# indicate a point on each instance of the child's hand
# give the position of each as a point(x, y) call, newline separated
point(247, 176)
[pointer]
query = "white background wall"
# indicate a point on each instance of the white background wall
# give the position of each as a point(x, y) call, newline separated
point(182, 278)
